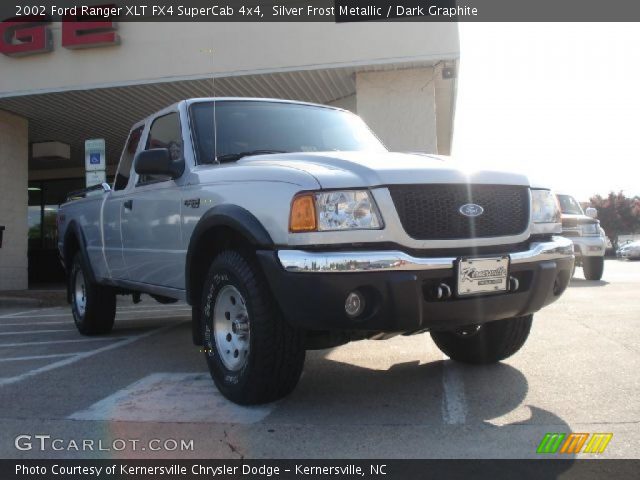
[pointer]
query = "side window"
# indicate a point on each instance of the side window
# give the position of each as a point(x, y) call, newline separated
point(164, 133)
point(124, 168)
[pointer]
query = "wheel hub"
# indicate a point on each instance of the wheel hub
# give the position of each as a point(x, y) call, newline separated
point(240, 326)
point(231, 327)
point(79, 294)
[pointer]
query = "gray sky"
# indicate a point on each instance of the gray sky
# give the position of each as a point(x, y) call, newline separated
point(561, 101)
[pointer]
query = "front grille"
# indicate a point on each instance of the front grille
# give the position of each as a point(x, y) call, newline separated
point(570, 233)
point(431, 212)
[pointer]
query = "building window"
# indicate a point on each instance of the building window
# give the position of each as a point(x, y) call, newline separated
point(45, 197)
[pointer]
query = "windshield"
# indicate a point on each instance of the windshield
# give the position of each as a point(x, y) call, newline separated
point(569, 205)
point(258, 127)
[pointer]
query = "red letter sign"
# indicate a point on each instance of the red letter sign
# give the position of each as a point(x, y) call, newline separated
point(88, 34)
point(24, 37)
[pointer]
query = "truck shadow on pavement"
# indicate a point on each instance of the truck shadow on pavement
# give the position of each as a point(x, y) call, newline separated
point(488, 417)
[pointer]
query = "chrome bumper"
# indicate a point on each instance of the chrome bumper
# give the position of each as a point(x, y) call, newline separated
point(590, 246)
point(393, 260)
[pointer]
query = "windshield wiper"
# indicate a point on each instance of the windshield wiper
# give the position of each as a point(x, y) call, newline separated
point(232, 157)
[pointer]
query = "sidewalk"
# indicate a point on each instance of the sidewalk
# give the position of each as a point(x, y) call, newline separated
point(39, 296)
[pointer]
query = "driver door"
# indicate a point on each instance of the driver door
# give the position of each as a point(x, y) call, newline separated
point(151, 230)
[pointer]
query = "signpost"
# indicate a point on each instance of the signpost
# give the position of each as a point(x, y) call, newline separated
point(95, 162)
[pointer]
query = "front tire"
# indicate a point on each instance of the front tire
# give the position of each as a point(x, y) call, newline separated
point(487, 343)
point(254, 356)
point(593, 267)
point(93, 305)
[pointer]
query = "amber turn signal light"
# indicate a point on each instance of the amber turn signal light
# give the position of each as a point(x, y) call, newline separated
point(303, 214)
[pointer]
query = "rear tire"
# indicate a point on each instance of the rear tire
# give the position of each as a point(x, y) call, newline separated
point(93, 305)
point(254, 356)
point(487, 343)
point(593, 267)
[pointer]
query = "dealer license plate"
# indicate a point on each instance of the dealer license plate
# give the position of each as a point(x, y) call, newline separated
point(482, 275)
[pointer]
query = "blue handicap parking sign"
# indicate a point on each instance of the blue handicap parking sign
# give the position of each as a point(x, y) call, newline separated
point(94, 158)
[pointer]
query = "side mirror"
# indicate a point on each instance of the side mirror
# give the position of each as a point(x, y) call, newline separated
point(157, 161)
point(591, 212)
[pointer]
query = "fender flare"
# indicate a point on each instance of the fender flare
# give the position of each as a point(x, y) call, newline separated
point(233, 217)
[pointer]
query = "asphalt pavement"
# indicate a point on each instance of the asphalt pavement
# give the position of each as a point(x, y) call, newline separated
point(144, 390)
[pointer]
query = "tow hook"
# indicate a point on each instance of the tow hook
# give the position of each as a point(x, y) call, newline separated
point(443, 291)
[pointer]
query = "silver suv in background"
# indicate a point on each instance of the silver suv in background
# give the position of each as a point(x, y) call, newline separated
point(630, 250)
point(589, 240)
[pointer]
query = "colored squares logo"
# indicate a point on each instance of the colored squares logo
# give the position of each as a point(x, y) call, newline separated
point(598, 442)
point(551, 442)
point(572, 443)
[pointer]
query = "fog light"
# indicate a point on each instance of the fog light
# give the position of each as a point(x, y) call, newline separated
point(354, 304)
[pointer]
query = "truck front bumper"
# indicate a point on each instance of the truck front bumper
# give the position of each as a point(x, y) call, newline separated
point(592, 246)
point(401, 291)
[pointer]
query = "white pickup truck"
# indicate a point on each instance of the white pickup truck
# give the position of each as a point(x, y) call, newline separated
point(288, 226)
point(588, 237)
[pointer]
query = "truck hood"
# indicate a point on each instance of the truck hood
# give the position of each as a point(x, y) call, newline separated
point(573, 220)
point(370, 169)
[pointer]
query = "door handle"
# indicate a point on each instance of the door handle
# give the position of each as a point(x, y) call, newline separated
point(128, 204)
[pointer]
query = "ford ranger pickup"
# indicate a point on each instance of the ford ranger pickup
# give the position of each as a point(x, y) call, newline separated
point(289, 226)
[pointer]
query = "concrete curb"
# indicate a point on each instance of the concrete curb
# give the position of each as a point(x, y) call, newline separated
point(6, 302)
point(33, 299)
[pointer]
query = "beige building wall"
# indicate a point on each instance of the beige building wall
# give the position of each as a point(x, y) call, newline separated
point(156, 52)
point(348, 103)
point(399, 104)
point(14, 137)
point(400, 107)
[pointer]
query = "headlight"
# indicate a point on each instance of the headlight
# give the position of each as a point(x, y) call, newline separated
point(337, 210)
point(589, 229)
point(545, 212)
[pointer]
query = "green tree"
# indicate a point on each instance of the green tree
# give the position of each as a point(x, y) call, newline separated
point(618, 214)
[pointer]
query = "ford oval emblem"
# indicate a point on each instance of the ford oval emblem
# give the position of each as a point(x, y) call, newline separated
point(471, 210)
